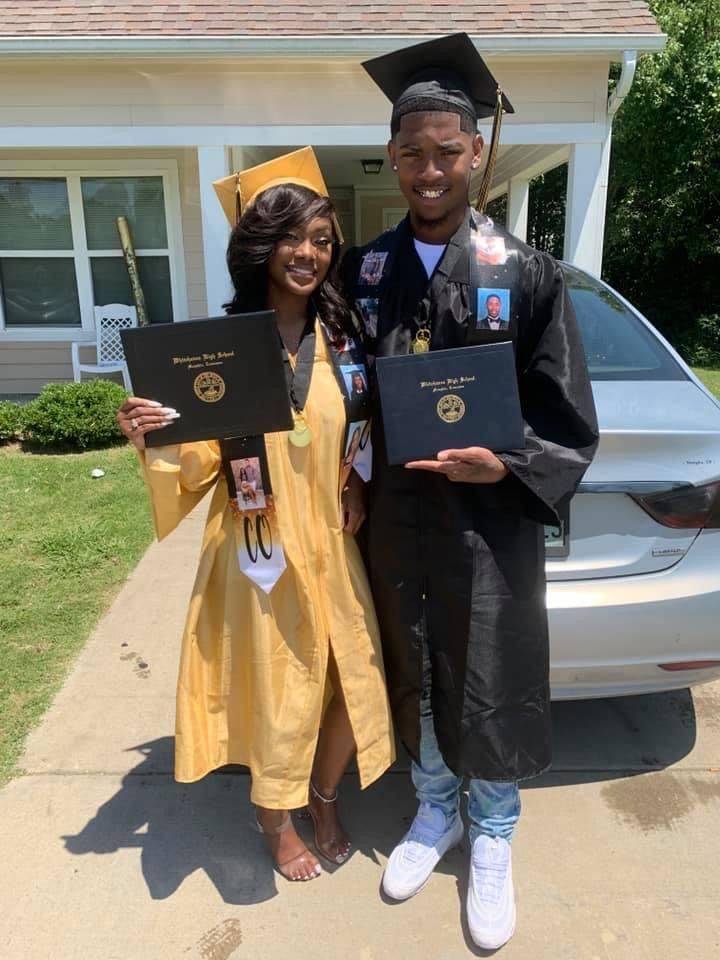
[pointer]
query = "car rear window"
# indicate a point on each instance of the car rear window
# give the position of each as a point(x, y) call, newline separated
point(617, 344)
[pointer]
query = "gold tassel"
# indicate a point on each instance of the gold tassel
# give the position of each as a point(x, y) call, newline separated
point(238, 204)
point(492, 155)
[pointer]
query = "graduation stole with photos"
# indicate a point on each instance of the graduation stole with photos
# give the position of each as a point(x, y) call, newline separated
point(260, 552)
point(487, 267)
point(493, 285)
point(351, 373)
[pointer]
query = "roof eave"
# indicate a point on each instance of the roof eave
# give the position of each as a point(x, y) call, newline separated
point(323, 46)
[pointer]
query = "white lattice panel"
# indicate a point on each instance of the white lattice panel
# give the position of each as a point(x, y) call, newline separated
point(109, 345)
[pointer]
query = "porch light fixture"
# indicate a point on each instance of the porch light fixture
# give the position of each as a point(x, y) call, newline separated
point(372, 166)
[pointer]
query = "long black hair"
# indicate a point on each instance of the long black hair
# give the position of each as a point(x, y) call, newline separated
point(262, 226)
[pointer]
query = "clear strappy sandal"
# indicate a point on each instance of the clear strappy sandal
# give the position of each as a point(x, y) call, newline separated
point(335, 850)
point(299, 859)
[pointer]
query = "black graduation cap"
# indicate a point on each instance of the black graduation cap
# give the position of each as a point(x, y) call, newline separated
point(447, 69)
point(447, 74)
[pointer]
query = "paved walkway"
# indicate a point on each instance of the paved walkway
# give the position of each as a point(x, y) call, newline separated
point(105, 857)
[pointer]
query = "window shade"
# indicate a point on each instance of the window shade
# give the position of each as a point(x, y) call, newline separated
point(139, 199)
point(34, 214)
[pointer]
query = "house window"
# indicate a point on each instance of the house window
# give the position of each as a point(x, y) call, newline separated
point(60, 252)
point(37, 265)
point(141, 200)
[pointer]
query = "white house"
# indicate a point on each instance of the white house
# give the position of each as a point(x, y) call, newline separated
point(134, 108)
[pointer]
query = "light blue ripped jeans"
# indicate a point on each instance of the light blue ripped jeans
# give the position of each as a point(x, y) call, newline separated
point(493, 807)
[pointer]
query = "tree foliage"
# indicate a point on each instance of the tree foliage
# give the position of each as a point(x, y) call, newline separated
point(546, 211)
point(662, 242)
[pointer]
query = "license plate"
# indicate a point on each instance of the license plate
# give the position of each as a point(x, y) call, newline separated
point(557, 536)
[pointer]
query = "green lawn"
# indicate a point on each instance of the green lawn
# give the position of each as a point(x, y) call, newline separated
point(67, 542)
point(711, 379)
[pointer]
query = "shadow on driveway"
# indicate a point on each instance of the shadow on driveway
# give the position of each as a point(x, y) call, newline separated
point(603, 739)
point(181, 828)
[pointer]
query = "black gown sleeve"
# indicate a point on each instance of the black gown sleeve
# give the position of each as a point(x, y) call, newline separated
point(561, 431)
point(348, 271)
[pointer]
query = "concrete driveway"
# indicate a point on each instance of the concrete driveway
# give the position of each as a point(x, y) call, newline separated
point(104, 857)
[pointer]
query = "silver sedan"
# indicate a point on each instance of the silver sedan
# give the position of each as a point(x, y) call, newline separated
point(634, 570)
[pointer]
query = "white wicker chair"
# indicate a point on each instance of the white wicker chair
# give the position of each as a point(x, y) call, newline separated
point(109, 321)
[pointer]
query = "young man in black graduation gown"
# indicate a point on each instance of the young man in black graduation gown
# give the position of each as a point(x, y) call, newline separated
point(456, 544)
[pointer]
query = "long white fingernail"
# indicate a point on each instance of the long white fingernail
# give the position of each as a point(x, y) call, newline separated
point(153, 403)
point(168, 410)
point(173, 416)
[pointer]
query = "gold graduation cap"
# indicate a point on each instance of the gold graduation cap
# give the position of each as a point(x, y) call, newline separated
point(239, 191)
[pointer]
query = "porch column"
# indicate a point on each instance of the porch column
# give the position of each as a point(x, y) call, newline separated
point(517, 207)
point(586, 200)
point(212, 165)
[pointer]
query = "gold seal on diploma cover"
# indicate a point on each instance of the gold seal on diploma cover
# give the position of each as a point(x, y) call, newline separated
point(450, 408)
point(209, 387)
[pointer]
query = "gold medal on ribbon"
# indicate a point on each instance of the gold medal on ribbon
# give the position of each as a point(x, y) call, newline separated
point(421, 343)
point(301, 434)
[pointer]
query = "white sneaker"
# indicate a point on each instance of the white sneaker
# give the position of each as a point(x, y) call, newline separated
point(490, 898)
point(424, 845)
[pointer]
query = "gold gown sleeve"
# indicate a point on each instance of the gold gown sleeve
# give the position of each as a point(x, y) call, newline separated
point(178, 477)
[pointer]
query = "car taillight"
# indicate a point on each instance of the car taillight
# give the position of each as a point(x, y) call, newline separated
point(690, 507)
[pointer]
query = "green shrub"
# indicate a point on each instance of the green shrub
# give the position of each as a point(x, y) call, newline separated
point(10, 420)
point(700, 346)
point(74, 415)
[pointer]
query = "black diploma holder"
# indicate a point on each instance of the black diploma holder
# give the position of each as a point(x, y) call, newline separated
point(223, 375)
point(450, 399)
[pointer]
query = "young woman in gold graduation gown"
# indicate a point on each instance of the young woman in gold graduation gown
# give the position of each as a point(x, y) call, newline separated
point(288, 682)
